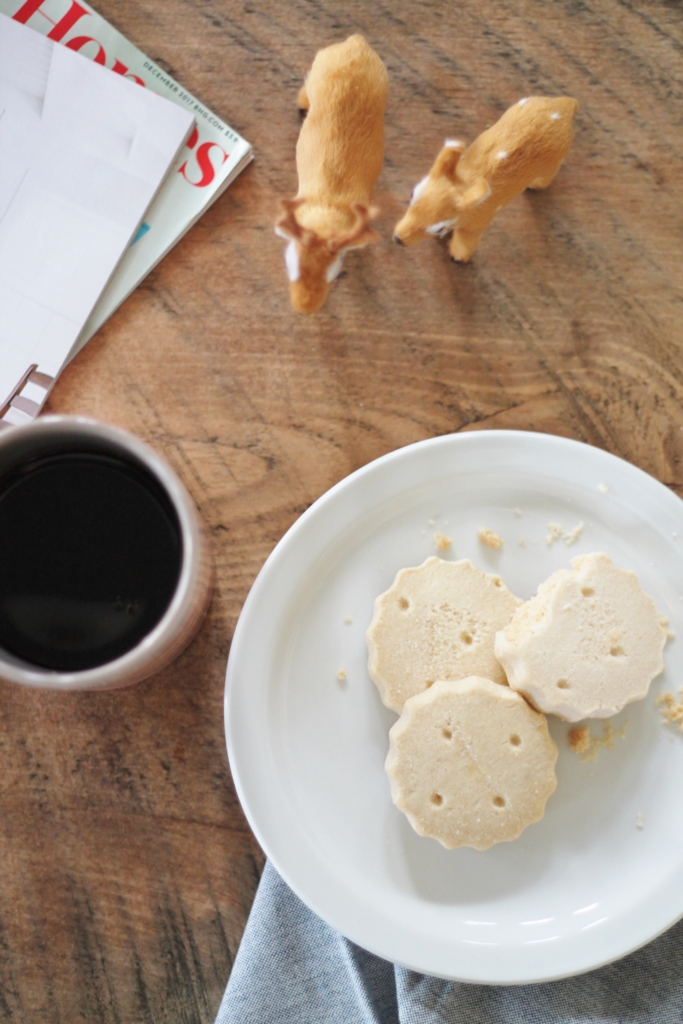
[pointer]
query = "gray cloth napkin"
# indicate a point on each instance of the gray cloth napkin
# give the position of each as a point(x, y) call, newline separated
point(292, 968)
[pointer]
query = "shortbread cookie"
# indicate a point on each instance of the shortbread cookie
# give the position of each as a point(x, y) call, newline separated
point(470, 763)
point(437, 621)
point(588, 643)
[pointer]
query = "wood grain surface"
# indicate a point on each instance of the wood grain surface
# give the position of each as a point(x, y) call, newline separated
point(128, 869)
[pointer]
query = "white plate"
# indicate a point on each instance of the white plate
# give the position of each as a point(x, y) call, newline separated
point(582, 887)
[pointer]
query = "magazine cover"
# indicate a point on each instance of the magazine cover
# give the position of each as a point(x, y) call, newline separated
point(213, 156)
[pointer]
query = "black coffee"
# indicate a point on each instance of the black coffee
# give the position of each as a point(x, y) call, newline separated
point(90, 555)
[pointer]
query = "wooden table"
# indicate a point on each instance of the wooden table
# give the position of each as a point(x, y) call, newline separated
point(128, 869)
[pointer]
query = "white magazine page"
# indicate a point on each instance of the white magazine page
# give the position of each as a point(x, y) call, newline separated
point(82, 155)
point(213, 157)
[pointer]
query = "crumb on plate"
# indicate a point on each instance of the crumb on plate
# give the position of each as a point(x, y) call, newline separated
point(441, 541)
point(665, 624)
point(489, 538)
point(581, 741)
point(602, 488)
point(341, 675)
point(671, 709)
point(557, 532)
point(639, 820)
point(347, 619)
point(571, 536)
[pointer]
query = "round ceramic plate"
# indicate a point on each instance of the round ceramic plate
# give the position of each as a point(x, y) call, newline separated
point(602, 873)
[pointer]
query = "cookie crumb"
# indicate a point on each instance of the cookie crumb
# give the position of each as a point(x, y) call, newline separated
point(347, 619)
point(639, 820)
point(489, 538)
point(671, 709)
point(571, 536)
point(441, 541)
point(522, 542)
point(602, 488)
point(665, 625)
point(518, 512)
point(431, 521)
point(557, 532)
point(581, 741)
point(341, 675)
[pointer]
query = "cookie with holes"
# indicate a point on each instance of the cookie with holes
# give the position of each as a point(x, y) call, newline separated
point(587, 644)
point(436, 621)
point(471, 763)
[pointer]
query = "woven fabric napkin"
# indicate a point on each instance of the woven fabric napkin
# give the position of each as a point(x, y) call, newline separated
point(292, 968)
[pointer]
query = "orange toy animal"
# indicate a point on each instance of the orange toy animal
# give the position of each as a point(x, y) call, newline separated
point(466, 187)
point(338, 157)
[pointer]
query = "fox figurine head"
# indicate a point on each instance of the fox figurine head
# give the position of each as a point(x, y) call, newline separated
point(440, 199)
point(314, 259)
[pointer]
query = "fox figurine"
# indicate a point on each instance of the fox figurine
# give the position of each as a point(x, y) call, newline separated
point(468, 185)
point(339, 156)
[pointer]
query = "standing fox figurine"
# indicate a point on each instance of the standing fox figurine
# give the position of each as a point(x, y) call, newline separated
point(338, 157)
point(466, 187)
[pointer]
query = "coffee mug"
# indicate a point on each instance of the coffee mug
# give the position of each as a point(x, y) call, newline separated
point(105, 572)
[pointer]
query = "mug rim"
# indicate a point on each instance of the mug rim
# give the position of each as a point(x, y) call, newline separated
point(150, 652)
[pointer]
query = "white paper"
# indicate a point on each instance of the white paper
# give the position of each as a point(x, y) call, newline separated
point(82, 155)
